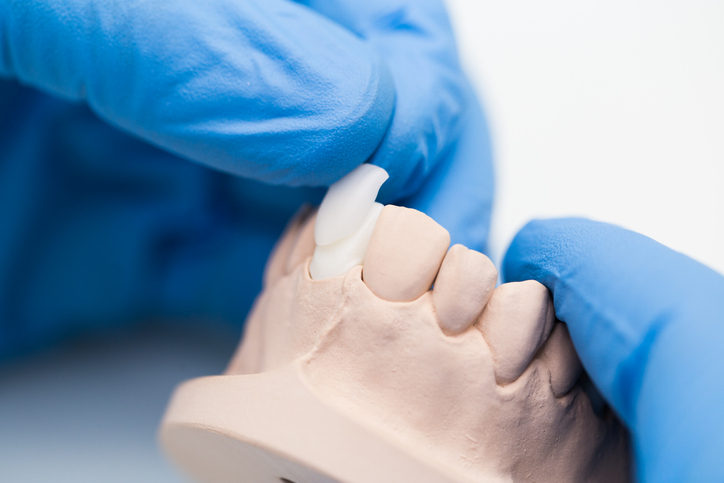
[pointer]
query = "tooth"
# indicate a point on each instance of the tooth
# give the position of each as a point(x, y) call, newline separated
point(560, 356)
point(337, 258)
point(515, 323)
point(463, 286)
point(347, 204)
point(404, 254)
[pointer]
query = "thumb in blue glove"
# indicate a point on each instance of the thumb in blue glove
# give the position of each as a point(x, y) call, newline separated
point(273, 90)
point(648, 324)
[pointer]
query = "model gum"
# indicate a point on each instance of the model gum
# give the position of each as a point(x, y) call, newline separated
point(375, 375)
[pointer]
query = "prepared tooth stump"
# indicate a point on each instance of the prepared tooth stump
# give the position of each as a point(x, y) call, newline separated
point(376, 353)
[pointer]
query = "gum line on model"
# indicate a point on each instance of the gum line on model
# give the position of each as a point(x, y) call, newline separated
point(378, 353)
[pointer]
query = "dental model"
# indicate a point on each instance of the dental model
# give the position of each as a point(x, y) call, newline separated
point(354, 370)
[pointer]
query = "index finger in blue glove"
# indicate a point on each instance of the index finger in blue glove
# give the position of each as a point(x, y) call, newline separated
point(270, 90)
point(437, 148)
point(266, 89)
point(648, 324)
point(415, 39)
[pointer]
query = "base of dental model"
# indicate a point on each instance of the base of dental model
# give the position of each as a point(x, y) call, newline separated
point(376, 354)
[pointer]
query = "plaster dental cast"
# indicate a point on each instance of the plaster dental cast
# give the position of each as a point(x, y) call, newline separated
point(463, 382)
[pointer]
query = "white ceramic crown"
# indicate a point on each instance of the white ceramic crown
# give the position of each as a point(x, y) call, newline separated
point(345, 221)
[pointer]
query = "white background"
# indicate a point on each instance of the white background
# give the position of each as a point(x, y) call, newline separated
point(611, 110)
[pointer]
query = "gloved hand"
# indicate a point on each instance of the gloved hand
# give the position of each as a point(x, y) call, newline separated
point(104, 224)
point(648, 324)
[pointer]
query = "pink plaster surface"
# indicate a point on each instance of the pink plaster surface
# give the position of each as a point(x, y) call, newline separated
point(480, 380)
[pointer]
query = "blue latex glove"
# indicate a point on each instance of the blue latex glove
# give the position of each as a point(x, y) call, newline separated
point(648, 324)
point(101, 221)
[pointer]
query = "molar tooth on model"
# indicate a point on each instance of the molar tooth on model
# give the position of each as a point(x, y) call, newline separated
point(355, 369)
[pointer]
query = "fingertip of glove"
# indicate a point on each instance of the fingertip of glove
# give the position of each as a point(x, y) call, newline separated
point(582, 250)
point(542, 245)
point(526, 253)
point(363, 126)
